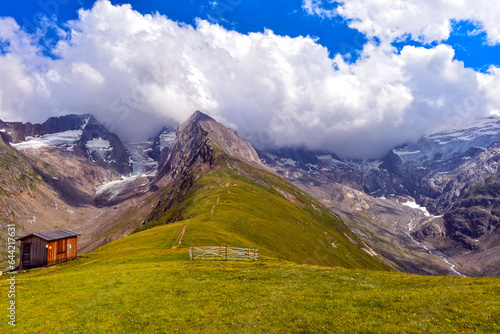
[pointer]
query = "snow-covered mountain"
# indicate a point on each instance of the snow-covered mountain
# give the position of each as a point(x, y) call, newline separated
point(434, 170)
point(446, 144)
point(69, 136)
point(395, 203)
point(432, 173)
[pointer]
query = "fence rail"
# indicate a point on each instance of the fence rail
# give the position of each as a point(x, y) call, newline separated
point(224, 252)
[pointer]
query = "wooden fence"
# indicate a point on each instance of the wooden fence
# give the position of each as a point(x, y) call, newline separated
point(224, 252)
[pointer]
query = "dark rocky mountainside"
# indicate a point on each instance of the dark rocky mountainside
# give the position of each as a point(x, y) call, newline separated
point(16, 132)
point(104, 147)
point(161, 142)
point(473, 223)
point(476, 214)
point(72, 137)
point(435, 172)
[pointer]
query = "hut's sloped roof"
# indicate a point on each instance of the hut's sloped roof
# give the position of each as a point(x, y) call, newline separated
point(53, 235)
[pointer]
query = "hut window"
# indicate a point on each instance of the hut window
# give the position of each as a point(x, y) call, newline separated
point(61, 246)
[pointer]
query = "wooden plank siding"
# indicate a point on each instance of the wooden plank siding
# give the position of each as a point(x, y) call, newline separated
point(48, 248)
point(38, 253)
point(61, 250)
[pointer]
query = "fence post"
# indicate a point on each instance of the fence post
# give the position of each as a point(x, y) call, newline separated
point(226, 252)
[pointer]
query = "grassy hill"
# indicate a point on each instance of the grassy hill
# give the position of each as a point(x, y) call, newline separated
point(139, 284)
point(238, 205)
point(314, 276)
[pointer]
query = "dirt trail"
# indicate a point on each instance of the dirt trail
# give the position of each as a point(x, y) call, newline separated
point(213, 207)
point(178, 238)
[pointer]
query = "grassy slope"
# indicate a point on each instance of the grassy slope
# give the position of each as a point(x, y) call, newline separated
point(136, 284)
point(139, 284)
point(244, 207)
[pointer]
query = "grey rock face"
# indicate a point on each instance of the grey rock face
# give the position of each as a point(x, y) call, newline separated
point(439, 171)
point(197, 139)
point(91, 139)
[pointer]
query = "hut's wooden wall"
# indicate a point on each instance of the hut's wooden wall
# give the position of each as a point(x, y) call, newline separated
point(62, 250)
point(38, 256)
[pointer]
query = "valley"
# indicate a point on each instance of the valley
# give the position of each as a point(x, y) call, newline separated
point(112, 204)
point(312, 166)
point(332, 258)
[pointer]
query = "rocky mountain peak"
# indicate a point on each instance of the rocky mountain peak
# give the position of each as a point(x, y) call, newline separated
point(198, 118)
point(198, 138)
point(64, 123)
point(162, 141)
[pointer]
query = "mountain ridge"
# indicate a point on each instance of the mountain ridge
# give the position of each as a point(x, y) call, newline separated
point(199, 172)
point(347, 187)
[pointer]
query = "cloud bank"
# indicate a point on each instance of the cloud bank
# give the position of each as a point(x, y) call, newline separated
point(423, 20)
point(138, 72)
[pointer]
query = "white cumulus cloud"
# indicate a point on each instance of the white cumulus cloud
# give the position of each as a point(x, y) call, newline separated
point(138, 72)
point(423, 20)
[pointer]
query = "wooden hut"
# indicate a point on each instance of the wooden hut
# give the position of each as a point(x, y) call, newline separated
point(47, 248)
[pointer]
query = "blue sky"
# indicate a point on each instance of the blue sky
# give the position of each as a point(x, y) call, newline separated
point(284, 17)
point(365, 76)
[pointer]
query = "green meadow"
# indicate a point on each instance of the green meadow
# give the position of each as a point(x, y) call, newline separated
point(134, 286)
point(312, 276)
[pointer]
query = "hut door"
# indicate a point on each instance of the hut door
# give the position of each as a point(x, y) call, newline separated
point(26, 256)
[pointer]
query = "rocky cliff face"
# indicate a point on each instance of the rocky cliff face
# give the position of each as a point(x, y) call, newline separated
point(438, 171)
point(476, 214)
point(162, 142)
point(435, 170)
point(197, 139)
point(16, 132)
point(104, 147)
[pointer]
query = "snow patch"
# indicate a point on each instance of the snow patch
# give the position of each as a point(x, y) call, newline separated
point(398, 152)
point(412, 204)
point(330, 161)
point(273, 157)
point(85, 123)
point(287, 161)
point(99, 144)
point(99, 148)
point(375, 164)
point(55, 139)
point(114, 187)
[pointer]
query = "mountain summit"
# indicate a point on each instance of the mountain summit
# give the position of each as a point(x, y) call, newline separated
point(197, 139)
